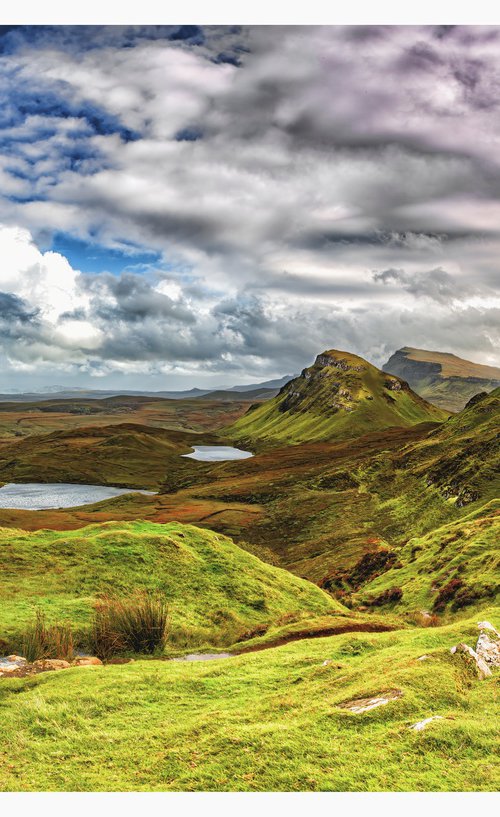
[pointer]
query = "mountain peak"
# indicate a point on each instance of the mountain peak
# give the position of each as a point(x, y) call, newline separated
point(339, 395)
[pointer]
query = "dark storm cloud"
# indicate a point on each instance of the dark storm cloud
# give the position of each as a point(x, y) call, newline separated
point(14, 310)
point(131, 298)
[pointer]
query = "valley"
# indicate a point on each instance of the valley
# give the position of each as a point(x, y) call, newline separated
point(360, 531)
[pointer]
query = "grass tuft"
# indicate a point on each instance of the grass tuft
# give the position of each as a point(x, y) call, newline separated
point(42, 641)
point(139, 624)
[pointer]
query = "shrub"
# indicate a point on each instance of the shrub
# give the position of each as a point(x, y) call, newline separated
point(42, 641)
point(391, 595)
point(424, 619)
point(446, 593)
point(467, 595)
point(139, 624)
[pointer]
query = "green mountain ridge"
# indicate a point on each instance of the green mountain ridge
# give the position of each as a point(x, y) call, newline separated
point(340, 396)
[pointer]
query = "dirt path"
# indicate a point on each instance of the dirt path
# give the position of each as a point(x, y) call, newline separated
point(299, 635)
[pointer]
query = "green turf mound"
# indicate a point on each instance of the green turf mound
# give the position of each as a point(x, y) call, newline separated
point(217, 591)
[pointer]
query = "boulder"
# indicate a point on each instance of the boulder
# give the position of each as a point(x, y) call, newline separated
point(471, 656)
point(16, 659)
point(87, 661)
point(46, 664)
point(488, 644)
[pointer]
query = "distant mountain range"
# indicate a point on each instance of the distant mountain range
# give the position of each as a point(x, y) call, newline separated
point(441, 378)
point(249, 391)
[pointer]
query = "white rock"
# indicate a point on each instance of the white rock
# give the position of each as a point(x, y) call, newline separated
point(421, 725)
point(482, 667)
point(360, 705)
point(488, 649)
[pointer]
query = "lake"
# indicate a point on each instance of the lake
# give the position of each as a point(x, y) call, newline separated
point(38, 496)
point(217, 453)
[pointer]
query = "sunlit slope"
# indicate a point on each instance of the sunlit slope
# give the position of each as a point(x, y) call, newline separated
point(339, 396)
point(268, 721)
point(216, 589)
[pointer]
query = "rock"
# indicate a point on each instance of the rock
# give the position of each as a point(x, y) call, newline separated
point(325, 663)
point(488, 649)
point(421, 725)
point(87, 661)
point(18, 659)
point(485, 625)
point(470, 655)
point(5, 669)
point(360, 705)
point(46, 664)
point(423, 658)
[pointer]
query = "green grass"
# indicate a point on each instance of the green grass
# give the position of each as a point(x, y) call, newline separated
point(343, 398)
point(267, 721)
point(216, 590)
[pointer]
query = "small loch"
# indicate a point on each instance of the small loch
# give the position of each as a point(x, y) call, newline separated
point(217, 453)
point(39, 496)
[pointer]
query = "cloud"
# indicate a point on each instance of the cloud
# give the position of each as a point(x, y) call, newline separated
point(293, 182)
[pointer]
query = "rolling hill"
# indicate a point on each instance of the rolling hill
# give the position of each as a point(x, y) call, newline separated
point(126, 455)
point(441, 378)
point(340, 396)
point(216, 590)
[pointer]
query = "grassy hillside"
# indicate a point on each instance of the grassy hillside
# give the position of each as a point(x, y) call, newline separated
point(217, 591)
point(443, 379)
point(125, 454)
point(267, 721)
point(340, 396)
point(455, 566)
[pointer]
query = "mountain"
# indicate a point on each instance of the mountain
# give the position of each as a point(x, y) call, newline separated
point(124, 454)
point(441, 378)
point(339, 396)
point(277, 383)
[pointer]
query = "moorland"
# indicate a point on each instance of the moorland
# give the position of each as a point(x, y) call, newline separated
point(339, 564)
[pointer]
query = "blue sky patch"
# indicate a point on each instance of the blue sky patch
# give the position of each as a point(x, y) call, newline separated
point(89, 257)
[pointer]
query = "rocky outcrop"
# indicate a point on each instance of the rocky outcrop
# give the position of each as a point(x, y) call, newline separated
point(472, 658)
point(15, 666)
point(488, 644)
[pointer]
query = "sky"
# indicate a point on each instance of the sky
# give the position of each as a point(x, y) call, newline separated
point(203, 205)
